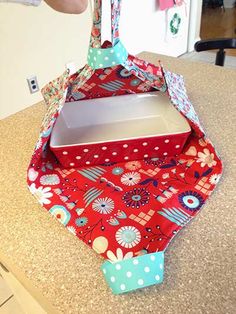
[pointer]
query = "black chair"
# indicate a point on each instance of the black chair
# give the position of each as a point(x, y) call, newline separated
point(219, 44)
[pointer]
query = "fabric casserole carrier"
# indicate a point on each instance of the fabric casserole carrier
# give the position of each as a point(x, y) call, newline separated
point(122, 160)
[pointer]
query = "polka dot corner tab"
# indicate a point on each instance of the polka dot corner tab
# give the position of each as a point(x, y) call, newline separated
point(134, 273)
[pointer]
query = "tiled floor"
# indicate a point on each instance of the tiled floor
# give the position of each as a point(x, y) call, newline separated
point(8, 303)
point(209, 57)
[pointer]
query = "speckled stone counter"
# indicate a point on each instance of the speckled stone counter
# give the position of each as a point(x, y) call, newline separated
point(199, 274)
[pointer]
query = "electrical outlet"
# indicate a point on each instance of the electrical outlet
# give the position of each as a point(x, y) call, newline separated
point(71, 66)
point(33, 84)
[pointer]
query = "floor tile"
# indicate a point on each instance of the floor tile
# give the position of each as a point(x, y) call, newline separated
point(11, 307)
point(5, 291)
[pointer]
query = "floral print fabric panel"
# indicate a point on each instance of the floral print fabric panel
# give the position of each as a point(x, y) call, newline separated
point(130, 208)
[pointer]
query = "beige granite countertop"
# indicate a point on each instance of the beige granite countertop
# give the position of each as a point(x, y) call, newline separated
point(200, 262)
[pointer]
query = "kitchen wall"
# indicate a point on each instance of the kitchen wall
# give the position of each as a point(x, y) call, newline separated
point(39, 41)
point(144, 27)
point(36, 40)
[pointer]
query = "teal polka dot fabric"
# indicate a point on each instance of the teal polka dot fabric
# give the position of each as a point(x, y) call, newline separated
point(134, 273)
point(100, 58)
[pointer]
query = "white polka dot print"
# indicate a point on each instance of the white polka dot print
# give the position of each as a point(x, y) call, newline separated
point(126, 158)
point(128, 274)
point(87, 162)
point(165, 154)
point(86, 150)
point(94, 58)
point(104, 271)
point(177, 146)
point(146, 269)
point(104, 148)
point(135, 262)
point(118, 267)
point(135, 150)
point(99, 52)
point(65, 153)
point(107, 160)
point(113, 279)
point(167, 141)
point(100, 65)
point(145, 144)
point(113, 62)
point(122, 287)
point(72, 164)
point(106, 58)
point(156, 148)
point(152, 258)
point(140, 282)
point(125, 145)
point(145, 156)
point(95, 156)
point(114, 153)
point(161, 266)
point(78, 157)
point(157, 277)
point(111, 51)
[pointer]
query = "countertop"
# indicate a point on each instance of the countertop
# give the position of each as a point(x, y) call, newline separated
point(200, 262)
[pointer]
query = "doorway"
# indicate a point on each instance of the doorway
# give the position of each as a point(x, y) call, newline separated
point(219, 20)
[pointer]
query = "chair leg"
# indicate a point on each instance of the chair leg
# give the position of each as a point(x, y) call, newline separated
point(220, 58)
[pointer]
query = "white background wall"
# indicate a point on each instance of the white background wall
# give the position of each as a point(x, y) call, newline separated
point(229, 3)
point(40, 41)
point(143, 27)
point(36, 40)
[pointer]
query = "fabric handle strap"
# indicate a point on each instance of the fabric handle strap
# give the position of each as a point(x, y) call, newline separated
point(99, 58)
point(95, 39)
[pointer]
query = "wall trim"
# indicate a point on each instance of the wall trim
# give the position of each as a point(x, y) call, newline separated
point(229, 4)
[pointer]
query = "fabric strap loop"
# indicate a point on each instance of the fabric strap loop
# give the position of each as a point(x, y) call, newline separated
point(95, 39)
point(99, 58)
point(134, 273)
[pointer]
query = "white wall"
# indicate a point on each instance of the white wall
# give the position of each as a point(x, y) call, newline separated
point(194, 23)
point(143, 27)
point(39, 41)
point(229, 3)
point(36, 40)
